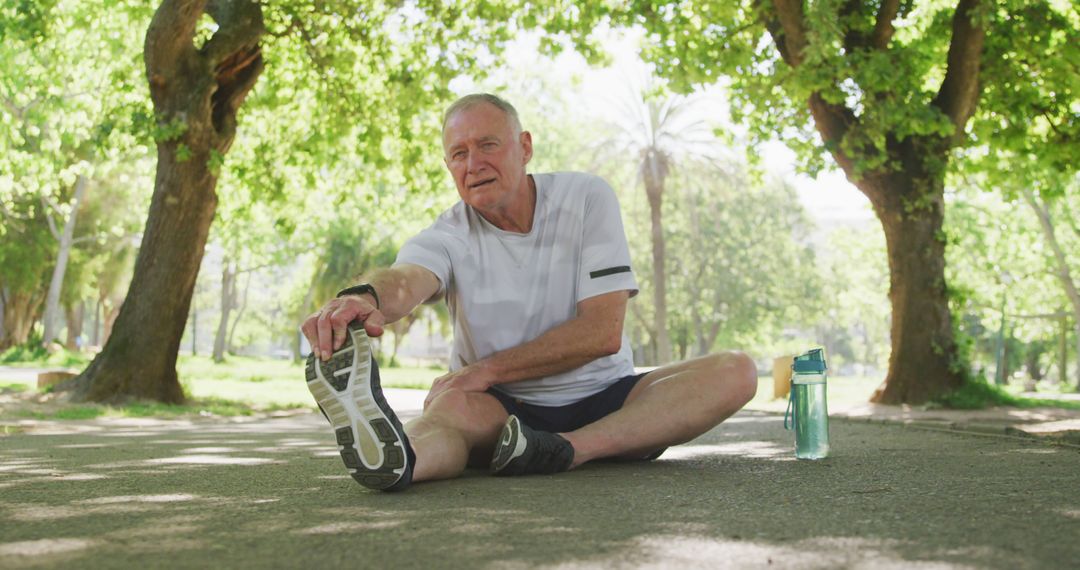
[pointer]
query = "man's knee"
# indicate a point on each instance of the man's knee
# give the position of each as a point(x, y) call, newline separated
point(449, 407)
point(735, 374)
point(461, 410)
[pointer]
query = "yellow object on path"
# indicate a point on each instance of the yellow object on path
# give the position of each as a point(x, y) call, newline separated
point(781, 374)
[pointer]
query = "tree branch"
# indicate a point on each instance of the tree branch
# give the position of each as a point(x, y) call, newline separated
point(883, 27)
point(170, 37)
point(240, 26)
point(1063, 272)
point(46, 206)
point(236, 58)
point(854, 38)
point(832, 120)
point(959, 92)
point(788, 31)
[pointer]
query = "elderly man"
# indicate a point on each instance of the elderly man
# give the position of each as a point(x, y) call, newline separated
point(535, 269)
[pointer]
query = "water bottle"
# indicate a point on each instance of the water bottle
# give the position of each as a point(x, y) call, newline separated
point(807, 408)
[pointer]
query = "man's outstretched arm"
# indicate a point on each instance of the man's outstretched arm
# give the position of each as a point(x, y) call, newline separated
point(400, 289)
point(595, 332)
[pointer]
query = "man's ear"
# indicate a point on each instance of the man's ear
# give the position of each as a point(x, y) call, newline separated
point(526, 146)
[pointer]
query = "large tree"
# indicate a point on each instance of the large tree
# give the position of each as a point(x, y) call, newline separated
point(196, 90)
point(888, 88)
point(379, 74)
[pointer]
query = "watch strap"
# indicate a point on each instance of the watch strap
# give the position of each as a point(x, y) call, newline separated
point(360, 290)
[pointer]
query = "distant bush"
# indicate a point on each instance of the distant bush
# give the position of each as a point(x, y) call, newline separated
point(977, 394)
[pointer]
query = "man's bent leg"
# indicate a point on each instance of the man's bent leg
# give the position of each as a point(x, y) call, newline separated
point(670, 405)
point(455, 425)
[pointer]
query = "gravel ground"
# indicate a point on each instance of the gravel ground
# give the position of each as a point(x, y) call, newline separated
point(271, 492)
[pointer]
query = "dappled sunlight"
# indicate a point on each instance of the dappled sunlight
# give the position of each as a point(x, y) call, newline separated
point(682, 551)
point(125, 433)
point(754, 449)
point(299, 442)
point(210, 450)
point(44, 547)
point(19, 465)
point(211, 460)
point(350, 527)
point(22, 512)
point(173, 498)
point(1035, 450)
point(1050, 427)
point(78, 477)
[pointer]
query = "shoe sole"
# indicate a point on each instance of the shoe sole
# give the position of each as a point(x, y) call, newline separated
point(369, 435)
point(509, 447)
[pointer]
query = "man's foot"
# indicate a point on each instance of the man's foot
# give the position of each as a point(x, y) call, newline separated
point(370, 438)
point(522, 450)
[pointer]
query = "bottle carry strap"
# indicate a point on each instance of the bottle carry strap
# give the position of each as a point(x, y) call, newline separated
point(790, 411)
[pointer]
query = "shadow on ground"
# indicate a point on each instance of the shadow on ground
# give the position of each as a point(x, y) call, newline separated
point(272, 493)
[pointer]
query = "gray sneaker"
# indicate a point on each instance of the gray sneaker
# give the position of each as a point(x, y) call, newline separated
point(370, 438)
point(522, 450)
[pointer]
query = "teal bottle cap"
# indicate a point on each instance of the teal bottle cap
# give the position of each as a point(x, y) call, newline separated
point(811, 362)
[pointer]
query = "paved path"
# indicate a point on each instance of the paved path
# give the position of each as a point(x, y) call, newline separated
point(271, 492)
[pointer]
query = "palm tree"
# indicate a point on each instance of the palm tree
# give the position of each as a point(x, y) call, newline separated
point(661, 131)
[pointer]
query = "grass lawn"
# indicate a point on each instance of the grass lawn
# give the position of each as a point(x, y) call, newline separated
point(239, 386)
point(244, 385)
point(264, 382)
point(842, 391)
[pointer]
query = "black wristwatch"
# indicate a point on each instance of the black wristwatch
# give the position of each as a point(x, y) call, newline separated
point(360, 290)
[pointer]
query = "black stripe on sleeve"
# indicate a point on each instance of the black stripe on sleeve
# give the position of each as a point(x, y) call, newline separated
point(609, 271)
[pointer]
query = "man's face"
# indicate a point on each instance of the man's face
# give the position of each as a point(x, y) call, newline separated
point(485, 158)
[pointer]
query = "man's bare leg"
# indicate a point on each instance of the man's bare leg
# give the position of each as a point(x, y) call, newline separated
point(670, 405)
point(455, 426)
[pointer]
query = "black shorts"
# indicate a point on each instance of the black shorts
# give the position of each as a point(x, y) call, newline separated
point(561, 419)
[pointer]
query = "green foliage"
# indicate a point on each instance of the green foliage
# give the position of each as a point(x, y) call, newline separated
point(977, 394)
point(33, 354)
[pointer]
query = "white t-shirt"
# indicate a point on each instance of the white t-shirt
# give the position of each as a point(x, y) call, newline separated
point(504, 288)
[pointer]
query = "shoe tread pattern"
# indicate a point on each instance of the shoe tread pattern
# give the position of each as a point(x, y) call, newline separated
point(389, 470)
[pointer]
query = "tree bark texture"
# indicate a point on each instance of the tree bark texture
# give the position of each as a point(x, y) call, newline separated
point(907, 195)
point(923, 363)
point(199, 89)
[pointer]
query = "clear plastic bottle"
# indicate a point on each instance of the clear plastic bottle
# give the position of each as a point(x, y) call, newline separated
point(809, 409)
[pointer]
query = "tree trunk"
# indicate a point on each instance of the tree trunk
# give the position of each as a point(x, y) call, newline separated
point(228, 300)
point(1063, 271)
point(907, 193)
point(1076, 334)
point(52, 302)
point(110, 320)
point(74, 315)
point(910, 204)
point(229, 346)
point(20, 311)
point(653, 172)
point(298, 337)
point(200, 90)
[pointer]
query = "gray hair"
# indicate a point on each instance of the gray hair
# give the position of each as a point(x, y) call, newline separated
point(469, 101)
